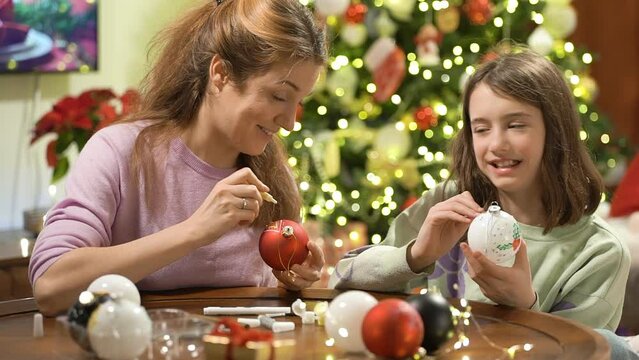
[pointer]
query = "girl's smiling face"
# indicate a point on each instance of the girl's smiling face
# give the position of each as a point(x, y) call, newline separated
point(508, 141)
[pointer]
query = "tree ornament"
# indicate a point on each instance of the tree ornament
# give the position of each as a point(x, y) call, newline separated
point(344, 317)
point(354, 34)
point(389, 76)
point(427, 44)
point(410, 200)
point(356, 13)
point(425, 117)
point(299, 113)
point(479, 12)
point(283, 244)
point(331, 7)
point(384, 25)
point(496, 234)
point(447, 20)
point(392, 329)
point(540, 41)
point(392, 143)
point(560, 20)
point(401, 9)
point(437, 318)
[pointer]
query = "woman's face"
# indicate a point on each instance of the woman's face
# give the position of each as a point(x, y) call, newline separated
point(508, 140)
point(248, 118)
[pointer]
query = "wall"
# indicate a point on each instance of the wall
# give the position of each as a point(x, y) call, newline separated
point(611, 31)
point(125, 28)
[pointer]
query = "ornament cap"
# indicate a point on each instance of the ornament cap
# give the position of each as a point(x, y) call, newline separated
point(494, 208)
point(287, 231)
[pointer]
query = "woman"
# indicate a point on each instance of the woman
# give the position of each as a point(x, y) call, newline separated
point(172, 197)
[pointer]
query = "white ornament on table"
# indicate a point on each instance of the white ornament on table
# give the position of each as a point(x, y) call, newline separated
point(116, 285)
point(496, 234)
point(344, 317)
point(119, 330)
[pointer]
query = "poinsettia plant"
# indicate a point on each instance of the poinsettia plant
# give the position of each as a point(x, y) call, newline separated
point(76, 119)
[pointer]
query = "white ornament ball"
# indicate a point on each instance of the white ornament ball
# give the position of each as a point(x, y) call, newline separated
point(344, 317)
point(385, 26)
point(560, 20)
point(331, 7)
point(116, 285)
point(540, 41)
point(401, 9)
point(394, 144)
point(354, 34)
point(119, 330)
point(496, 234)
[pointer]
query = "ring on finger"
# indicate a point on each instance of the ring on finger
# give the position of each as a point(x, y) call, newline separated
point(244, 203)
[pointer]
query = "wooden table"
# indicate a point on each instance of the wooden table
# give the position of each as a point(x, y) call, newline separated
point(552, 337)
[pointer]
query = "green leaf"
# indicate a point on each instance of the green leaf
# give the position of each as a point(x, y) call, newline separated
point(60, 170)
point(64, 140)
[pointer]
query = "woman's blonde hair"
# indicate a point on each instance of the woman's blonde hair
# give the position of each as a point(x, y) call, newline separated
point(571, 184)
point(250, 36)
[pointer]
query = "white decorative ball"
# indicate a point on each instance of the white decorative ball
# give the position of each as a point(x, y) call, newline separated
point(392, 143)
point(119, 330)
point(344, 318)
point(331, 7)
point(560, 20)
point(354, 34)
point(401, 9)
point(116, 285)
point(496, 234)
point(540, 41)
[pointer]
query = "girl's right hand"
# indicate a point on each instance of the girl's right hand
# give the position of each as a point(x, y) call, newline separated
point(444, 225)
point(234, 201)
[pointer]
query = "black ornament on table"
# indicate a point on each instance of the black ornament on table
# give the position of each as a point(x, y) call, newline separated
point(80, 313)
point(435, 312)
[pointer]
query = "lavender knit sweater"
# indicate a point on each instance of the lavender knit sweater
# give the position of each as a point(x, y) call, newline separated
point(103, 208)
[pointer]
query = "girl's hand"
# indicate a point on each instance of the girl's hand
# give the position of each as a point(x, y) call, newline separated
point(303, 275)
point(444, 225)
point(503, 285)
point(234, 201)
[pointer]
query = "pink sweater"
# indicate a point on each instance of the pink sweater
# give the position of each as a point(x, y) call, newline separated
point(103, 209)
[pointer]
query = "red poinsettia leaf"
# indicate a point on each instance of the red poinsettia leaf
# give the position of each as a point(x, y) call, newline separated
point(50, 122)
point(83, 122)
point(66, 105)
point(130, 99)
point(52, 157)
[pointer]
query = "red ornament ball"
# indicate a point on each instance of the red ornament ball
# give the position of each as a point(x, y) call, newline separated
point(283, 244)
point(392, 329)
point(425, 117)
point(356, 13)
point(479, 11)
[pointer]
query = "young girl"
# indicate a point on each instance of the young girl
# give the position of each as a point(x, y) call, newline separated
point(519, 146)
point(172, 198)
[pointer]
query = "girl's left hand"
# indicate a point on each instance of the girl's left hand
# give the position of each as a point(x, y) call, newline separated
point(504, 285)
point(303, 275)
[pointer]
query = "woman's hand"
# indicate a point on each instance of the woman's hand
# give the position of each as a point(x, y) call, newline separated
point(234, 201)
point(303, 275)
point(503, 285)
point(444, 225)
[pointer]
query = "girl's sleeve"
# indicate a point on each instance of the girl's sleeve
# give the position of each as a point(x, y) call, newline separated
point(594, 294)
point(384, 267)
point(85, 216)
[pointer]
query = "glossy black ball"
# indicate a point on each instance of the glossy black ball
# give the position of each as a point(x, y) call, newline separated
point(437, 317)
point(79, 314)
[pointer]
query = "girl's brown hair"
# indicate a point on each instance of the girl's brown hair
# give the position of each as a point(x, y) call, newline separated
point(250, 36)
point(571, 185)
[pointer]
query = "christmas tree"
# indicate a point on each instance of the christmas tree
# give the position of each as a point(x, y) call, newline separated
point(374, 135)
